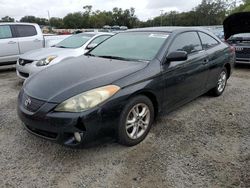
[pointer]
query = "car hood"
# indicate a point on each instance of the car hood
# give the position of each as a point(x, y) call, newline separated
point(74, 76)
point(45, 52)
point(236, 23)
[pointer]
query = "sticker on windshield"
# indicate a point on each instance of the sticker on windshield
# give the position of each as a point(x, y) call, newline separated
point(162, 36)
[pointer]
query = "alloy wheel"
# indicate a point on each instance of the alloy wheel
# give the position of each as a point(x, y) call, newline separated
point(222, 81)
point(137, 121)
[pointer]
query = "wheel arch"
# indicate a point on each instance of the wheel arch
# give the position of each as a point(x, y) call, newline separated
point(151, 96)
point(228, 67)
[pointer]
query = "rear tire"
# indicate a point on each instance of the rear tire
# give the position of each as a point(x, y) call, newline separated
point(221, 83)
point(135, 121)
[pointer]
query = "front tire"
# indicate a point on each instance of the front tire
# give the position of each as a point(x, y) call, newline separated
point(221, 83)
point(135, 121)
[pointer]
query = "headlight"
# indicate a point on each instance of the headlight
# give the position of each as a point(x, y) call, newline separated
point(87, 100)
point(45, 61)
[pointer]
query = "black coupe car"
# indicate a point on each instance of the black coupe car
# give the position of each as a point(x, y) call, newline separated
point(123, 84)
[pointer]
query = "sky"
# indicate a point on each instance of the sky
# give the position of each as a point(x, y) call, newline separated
point(144, 9)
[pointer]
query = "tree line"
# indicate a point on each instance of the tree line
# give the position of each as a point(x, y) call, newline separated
point(208, 12)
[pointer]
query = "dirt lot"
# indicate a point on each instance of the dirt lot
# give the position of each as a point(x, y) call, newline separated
point(203, 144)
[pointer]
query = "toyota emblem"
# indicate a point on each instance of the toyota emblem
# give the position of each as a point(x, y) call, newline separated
point(27, 102)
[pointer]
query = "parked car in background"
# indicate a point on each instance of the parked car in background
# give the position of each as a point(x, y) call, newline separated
point(107, 27)
point(123, 28)
point(19, 38)
point(241, 43)
point(73, 46)
point(121, 85)
point(237, 34)
point(115, 27)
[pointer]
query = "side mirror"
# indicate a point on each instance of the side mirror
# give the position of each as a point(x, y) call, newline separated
point(91, 46)
point(177, 56)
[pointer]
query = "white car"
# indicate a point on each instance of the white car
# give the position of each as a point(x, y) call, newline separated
point(18, 38)
point(73, 46)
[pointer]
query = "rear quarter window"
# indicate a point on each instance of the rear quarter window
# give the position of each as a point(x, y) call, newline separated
point(25, 30)
point(188, 41)
point(207, 41)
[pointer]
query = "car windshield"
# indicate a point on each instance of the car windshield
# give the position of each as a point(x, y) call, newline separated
point(136, 46)
point(74, 41)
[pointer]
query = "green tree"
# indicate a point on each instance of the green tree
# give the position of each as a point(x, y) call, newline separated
point(208, 12)
point(33, 19)
point(29, 19)
point(100, 18)
point(7, 19)
point(74, 21)
point(57, 22)
point(211, 12)
point(125, 17)
point(245, 7)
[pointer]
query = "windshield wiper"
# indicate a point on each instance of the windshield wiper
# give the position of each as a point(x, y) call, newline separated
point(112, 57)
point(117, 58)
point(60, 46)
point(121, 58)
point(89, 54)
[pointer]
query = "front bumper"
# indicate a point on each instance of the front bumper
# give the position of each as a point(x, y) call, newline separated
point(61, 126)
point(243, 60)
point(25, 71)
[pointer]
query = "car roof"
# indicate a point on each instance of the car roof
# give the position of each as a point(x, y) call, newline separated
point(98, 33)
point(17, 23)
point(94, 34)
point(166, 29)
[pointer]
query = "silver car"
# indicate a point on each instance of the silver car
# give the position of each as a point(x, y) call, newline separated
point(73, 46)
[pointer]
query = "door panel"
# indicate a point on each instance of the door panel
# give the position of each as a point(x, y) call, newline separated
point(185, 80)
point(216, 56)
point(29, 43)
point(28, 38)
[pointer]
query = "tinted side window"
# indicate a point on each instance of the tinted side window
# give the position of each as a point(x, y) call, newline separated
point(99, 39)
point(26, 30)
point(207, 41)
point(5, 32)
point(188, 42)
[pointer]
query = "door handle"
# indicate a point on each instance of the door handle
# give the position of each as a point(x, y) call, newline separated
point(11, 42)
point(36, 40)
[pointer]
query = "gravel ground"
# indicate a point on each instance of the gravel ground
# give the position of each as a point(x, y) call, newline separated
point(206, 143)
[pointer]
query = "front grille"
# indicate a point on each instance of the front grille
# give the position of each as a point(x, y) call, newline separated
point(31, 104)
point(23, 74)
point(39, 132)
point(24, 61)
point(242, 52)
